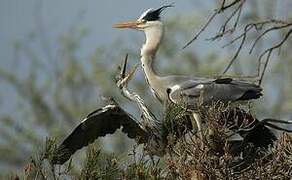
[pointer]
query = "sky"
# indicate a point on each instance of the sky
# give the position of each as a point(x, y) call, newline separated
point(18, 18)
point(21, 19)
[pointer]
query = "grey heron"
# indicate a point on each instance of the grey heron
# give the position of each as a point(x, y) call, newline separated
point(149, 130)
point(193, 91)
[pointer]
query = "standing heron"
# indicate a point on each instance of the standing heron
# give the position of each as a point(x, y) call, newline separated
point(194, 92)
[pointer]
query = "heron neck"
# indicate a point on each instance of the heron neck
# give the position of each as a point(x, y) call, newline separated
point(148, 52)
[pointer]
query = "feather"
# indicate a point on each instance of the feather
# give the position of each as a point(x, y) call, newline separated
point(99, 123)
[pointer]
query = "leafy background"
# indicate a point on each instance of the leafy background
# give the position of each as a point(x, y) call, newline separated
point(58, 60)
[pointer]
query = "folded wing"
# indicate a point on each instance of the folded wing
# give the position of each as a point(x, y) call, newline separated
point(204, 92)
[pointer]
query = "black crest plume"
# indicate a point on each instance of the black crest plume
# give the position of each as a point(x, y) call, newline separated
point(154, 15)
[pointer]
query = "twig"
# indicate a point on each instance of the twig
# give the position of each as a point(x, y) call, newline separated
point(265, 67)
point(223, 30)
point(257, 26)
point(236, 6)
point(269, 51)
point(246, 29)
point(202, 29)
point(230, 5)
point(216, 12)
point(267, 31)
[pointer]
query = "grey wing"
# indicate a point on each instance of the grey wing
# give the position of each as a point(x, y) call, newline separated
point(204, 92)
point(99, 123)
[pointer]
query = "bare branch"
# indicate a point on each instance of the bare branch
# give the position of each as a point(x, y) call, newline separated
point(223, 28)
point(269, 52)
point(216, 12)
point(257, 26)
point(246, 29)
point(202, 29)
point(268, 25)
point(267, 31)
point(230, 5)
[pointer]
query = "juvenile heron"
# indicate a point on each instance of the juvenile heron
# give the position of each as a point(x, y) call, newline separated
point(193, 91)
point(106, 120)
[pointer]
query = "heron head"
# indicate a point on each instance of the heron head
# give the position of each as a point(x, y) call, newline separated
point(149, 18)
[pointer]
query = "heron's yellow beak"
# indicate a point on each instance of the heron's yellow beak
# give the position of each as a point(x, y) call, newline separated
point(129, 24)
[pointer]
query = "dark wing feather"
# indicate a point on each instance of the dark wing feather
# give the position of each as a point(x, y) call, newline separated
point(99, 123)
point(256, 139)
point(223, 80)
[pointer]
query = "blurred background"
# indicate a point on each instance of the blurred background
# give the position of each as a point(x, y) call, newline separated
point(58, 60)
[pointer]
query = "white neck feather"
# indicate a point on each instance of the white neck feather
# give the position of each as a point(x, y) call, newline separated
point(154, 35)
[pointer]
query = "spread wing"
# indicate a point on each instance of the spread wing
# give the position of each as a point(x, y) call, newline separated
point(204, 92)
point(99, 123)
point(256, 137)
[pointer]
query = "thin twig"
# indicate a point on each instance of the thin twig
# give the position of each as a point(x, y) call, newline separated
point(230, 5)
point(216, 12)
point(267, 31)
point(201, 30)
point(223, 30)
point(269, 51)
point(246, 29)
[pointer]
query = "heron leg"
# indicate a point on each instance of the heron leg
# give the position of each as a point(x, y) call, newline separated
point(198, 121)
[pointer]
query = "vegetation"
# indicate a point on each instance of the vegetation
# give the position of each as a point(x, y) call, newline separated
point(51, 86)
point(186, 158)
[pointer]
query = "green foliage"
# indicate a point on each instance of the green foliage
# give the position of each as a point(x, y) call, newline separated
point(176, 122)
point(96, 165)
point(41, 166)
point(55, 88)
point(187, 158)
point(95, 169)
point(141, 168)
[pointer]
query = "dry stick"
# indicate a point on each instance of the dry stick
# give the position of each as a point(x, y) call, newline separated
point(255, 25)
point(278, 121)
point(230, 5)
point(217, 11)
point(223, 30)
point(246, 29)
point(202, 29)
point(238, 16)
point(277, 127)
point(267, 31)
point(269, 51)
point(222, 4)
point(265, 67)
point(234, 40)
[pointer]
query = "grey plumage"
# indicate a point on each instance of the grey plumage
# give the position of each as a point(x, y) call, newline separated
point(204, 91)
point(196, 92)
point(192, 91)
